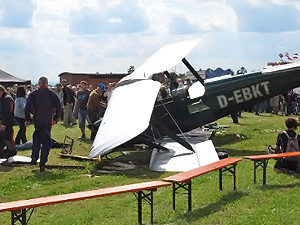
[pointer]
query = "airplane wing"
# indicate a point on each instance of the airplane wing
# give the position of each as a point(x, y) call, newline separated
point(164, 59)
point(132, 101)
point(127, 115)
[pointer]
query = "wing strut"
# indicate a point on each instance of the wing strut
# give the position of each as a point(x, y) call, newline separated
point(174, 136)
point(194, 72)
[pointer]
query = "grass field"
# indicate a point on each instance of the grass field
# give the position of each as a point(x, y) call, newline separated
point(275, 203)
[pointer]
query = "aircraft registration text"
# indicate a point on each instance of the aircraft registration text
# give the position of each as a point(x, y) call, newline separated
point(244, 94)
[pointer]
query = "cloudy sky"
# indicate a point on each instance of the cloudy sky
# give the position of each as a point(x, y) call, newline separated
point(48, 37)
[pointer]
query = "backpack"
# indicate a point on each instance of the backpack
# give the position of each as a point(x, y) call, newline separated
point(292, 145)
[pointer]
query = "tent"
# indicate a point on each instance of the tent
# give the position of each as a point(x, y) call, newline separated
point(7, 79)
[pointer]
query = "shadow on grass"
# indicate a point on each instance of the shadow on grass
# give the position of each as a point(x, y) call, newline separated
point(6, 168)
point(134, 164)
point(48, 175)
point(136, 157)
point(281, 186)
point(212, 208)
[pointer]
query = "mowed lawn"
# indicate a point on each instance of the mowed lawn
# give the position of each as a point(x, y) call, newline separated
point(278, 202)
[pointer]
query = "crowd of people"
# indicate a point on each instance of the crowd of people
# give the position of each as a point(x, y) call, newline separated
point(44, 106)
point(286, 104)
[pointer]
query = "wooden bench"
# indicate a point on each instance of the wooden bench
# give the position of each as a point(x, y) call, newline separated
point(142, 191)
point(262, 161)
point(184, 180)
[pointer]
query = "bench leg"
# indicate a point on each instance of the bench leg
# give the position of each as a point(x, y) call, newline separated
point(264, 164)
point(147, 197)
point(174, 195)
point(221, 179)
point(186, 186)
point(232, 170)
point(254, 178)
point(190, 195)
point(21, 217)
point(265, 171)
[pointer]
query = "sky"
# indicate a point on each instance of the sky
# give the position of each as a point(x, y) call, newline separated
point(48, 37)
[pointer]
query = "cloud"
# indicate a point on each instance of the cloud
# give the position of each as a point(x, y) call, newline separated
point(17, 14)
point(266, 16)
point(11, 45)
point(188, 17)
point(111, 35)
point(113, 18)
point(181, 25)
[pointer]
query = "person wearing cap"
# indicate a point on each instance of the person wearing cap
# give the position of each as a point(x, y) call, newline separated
point(96, 106)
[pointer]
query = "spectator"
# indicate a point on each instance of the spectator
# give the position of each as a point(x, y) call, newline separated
point(75, 111)
point(75, 90)
point(6, 126)
point(10, 91)
point(28, 89)
point(20, 103)
point(282, 144)
point(235, 117)
point(68, 103)
point(264, 106)
point(58, 91)
point(45, 107)
point(79, 88)
point(288, 98)
point(96, 106)
point(15, 88)
point(109, 90)
point(274, 103)
point(80, 105)
point(179, 82)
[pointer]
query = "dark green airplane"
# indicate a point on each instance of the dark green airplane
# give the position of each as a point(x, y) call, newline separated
point(135, 115)
point(224, 96)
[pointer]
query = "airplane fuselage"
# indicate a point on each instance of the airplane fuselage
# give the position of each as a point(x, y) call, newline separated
point(222, 97)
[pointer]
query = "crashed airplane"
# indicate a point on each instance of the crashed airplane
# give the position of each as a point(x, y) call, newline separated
point(135, 114)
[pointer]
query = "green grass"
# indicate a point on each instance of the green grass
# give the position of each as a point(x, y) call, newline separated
point(275, 203)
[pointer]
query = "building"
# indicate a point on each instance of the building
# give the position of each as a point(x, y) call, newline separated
point(200, 72)
point(92, 78)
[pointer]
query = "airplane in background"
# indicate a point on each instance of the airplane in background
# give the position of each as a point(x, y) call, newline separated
point(135, 114)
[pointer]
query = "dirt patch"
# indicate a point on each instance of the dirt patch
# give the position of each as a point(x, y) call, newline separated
point(127, 160)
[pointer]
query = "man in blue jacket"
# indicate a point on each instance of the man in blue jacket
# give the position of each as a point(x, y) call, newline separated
point(43, 104)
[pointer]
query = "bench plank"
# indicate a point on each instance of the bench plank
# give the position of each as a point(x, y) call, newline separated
point(262, 161)
point(272, 156)
point(30, 203)
point(188, 175)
